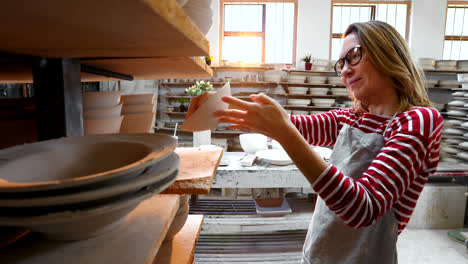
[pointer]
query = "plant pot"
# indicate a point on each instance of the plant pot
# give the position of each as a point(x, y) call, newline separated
point(308, 66)
point(208, 62)
point(182, 108)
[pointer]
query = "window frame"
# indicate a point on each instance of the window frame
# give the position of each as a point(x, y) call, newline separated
point(453, 37)
point(222, 34)
point(365, 4)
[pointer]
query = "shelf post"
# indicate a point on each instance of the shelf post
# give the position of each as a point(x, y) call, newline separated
point(57, 84)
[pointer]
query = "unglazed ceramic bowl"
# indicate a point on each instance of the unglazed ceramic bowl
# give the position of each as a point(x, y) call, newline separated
point(75, 161)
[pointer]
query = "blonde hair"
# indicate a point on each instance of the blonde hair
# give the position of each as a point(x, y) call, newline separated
point(390, 54)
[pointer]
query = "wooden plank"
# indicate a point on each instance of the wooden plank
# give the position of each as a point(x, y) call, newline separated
point(196, 170)
point(139, 68)
point(180, 250)
point(137, 240)
point(88, 28)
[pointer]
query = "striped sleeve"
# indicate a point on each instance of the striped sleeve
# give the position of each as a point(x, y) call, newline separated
point(321, 129)
point(395, 177)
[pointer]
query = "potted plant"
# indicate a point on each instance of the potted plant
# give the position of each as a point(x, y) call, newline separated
point(200, 137)
point(208, 59)
point(308, 64)
point(198, 88)
point(182, 106)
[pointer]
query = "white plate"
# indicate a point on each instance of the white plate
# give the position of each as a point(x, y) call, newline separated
point(457, 103)
point(456, 113)
point(274, 156)
point(156, 173)
point(76, 161)
point(83, 223)
point(453, 131)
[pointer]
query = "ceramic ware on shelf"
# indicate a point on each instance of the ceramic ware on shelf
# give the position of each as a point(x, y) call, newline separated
point(449, 83)
point(58, 163)
point(300, 112)
point(457, 103)
point(298, 102)
point(447, 65)
point(137, 108)
point(335, 80)
point(152, 175)
point(452, 123)
point(462, 77)
point(298, 90)
point(449, 150)
point(453, 141)
point(102, 125)
point(319, 90)
point(131, 99)
point(453, 131)
point(98, 100)
point(137, 123)
point(323, 102)
point(114, 111)
point(458, 93)
point(457, 113)
point(253, 142)
point(316, 79)
point(87, 222)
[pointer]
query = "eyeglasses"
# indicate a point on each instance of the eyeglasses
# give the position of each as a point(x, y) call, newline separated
point(353, 57)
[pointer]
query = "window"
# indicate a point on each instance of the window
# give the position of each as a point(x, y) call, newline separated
point(456, 32)
point(258, 32)
point(396, 13)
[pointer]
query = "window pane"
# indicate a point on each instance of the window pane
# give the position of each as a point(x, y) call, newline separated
point(243, 18)
point(449, 21)
point(455, 50)
point(345, 15)
point(247, 49)
point(336, 47)
point(279, 32)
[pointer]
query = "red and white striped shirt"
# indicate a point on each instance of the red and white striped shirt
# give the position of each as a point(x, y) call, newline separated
point(395, 177)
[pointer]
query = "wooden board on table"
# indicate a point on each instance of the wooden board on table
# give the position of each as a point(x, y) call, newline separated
point(139, 68)
point(137, 240)
point(181, 249)
point(99, 29)
point(196, 170)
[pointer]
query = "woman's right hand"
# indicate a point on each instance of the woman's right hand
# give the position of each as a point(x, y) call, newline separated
point(264, 115)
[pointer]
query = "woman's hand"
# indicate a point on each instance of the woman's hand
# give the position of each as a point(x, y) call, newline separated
point(264, 115)
point(197, 101)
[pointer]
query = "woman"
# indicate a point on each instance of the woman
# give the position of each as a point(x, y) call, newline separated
point(385, 147)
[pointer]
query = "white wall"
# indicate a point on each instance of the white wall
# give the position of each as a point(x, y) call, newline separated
point(427, 28)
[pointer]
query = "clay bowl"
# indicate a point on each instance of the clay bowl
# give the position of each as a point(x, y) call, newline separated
point(137, 108)
point(98, 100)
point(79, 195)
point(104, 125)
point(178, 222)
point(103, 112)
point(87, 222)
point(75, 161)
point(137, 99)
point(137, 123)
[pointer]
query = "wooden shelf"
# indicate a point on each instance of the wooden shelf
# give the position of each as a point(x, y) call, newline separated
point(327, 73)
point(188, 84)
point(237, 68)
point(139, 68)
point(182, 248)
point(137, 240)
point(312, 96)
point(175, 113)
point(441, 71)
point(196, 170)
point(325, 85)
point(99, 29)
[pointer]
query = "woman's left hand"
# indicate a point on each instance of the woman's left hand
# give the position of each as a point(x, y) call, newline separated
point(264, 115)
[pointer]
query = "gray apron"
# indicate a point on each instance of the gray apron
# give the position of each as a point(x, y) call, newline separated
point(329, 240)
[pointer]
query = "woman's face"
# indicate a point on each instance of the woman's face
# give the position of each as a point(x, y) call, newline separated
point(363, 79)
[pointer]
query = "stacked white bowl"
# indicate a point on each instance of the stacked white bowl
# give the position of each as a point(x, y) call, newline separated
point(427, 63)
point(339, 91)
point(298, 102)
point(298, 90)
point(323, 102)
point(335, 80)
point(78, 187)
point(101, 112)
point(320, 65)
point(316, 79)
point(446, 65)
point(462, 65)
point(273, 76)
point(300, 112)
point(319, 90)
point(296, 78)
point(455, 133)
point(138, 113)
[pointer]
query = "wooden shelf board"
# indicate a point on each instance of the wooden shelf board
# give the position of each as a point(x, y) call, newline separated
point(139, 68)
point(219, 83)
point(196, 170)
point(137, 240)
point(312, 96)
point(182, 248)
point(309, 107)
point(245, 68)
point(104, 29)
point(328, 73)
point(441, 71)
point(312, 85)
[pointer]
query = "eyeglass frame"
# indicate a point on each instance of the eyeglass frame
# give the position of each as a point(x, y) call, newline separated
point(346, 59)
